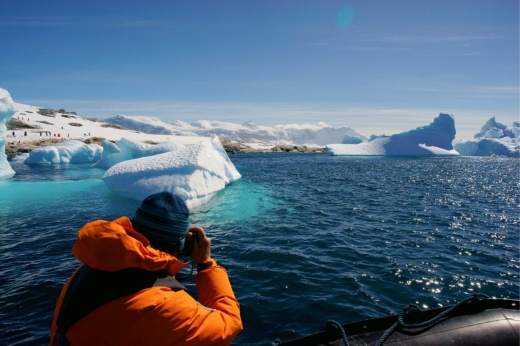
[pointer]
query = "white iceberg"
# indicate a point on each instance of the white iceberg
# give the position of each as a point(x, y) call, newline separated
point(6, 112)
point(126, 149)
point(494, 139)
point(194, 172)
point(70, 151)
point(431, 140)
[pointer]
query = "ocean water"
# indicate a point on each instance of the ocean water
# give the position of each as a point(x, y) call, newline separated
point(305, 238)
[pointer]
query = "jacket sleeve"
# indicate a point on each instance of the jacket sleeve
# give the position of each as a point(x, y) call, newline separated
point(214, 291)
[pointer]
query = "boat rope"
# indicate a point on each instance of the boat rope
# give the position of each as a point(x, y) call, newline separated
point(337, 325)
point(330, 324)
point(400, 322)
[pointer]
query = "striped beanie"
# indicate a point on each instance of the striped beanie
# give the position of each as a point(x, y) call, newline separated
point(162, 217)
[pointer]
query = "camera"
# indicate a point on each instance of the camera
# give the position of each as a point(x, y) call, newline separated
point(188, 244)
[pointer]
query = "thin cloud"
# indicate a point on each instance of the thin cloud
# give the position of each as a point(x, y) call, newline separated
point(429, 38)
point(96, 22)
point(92, 76)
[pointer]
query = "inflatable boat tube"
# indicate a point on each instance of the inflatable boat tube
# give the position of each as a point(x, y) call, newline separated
point(475, 321)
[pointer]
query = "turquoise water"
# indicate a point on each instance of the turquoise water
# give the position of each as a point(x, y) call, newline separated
point(305, 238)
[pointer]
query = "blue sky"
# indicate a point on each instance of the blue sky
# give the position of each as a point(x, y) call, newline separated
point(376, 66)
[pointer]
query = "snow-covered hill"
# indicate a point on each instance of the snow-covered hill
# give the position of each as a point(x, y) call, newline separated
point(318, 134)
point(30, 123)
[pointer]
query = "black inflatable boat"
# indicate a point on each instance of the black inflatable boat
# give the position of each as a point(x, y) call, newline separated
point(477, 320)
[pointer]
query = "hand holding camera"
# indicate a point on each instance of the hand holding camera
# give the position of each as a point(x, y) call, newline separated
point(197, 244)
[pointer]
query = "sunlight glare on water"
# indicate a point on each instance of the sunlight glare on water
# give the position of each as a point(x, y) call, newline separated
point(304, 238)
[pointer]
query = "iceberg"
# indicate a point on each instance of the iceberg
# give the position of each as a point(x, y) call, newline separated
point(491, 129)
point(70, 151)
point(126, 149)
point(6, 112)
point(494, 139)
point(431, 140)
point(194, 172)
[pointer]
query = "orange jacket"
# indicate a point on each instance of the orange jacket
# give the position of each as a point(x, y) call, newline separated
point(153, 316)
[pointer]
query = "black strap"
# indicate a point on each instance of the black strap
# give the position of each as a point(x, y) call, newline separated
point(91, 288)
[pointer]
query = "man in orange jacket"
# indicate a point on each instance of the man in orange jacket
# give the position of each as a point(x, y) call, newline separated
point(124, 293)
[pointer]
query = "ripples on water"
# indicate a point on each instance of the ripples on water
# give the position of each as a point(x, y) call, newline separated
point(305, 238)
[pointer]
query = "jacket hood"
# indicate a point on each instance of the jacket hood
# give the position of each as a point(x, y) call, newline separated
point(115, 245)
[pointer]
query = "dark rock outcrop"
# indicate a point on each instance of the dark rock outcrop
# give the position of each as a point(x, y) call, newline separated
point(17, 124)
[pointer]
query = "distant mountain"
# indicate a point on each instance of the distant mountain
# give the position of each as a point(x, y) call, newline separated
point(319, 134)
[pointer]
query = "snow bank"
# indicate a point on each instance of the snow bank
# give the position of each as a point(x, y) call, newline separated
point(6, 112)
point(194, 172)
point(431, 140)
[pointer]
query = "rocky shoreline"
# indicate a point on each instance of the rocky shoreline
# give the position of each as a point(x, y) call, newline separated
point(234, 147)
point(16, 148)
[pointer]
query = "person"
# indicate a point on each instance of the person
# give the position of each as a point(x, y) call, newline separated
point(124, 293)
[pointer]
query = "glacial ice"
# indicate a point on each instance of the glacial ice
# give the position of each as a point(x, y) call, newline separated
point(494, 139)
point(126, 149)
point(431, 140)
point(194, 172)
point(70, 151)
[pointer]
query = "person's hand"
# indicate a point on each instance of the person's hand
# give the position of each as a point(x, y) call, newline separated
point(201, 246)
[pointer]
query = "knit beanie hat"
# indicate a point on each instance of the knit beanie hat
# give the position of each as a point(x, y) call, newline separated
point(162, 217)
